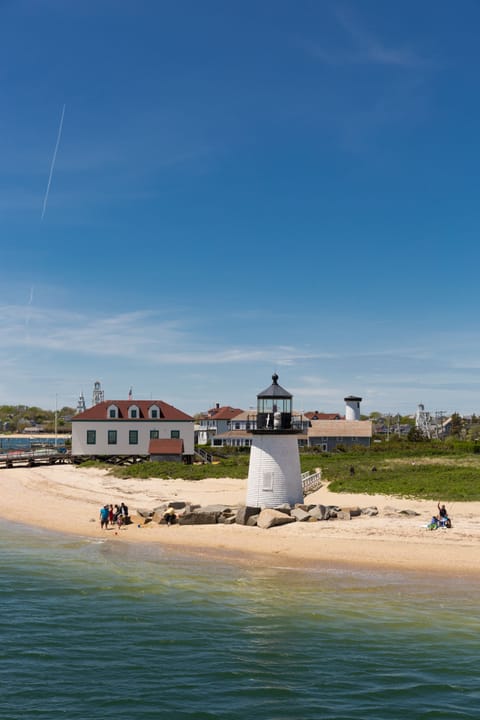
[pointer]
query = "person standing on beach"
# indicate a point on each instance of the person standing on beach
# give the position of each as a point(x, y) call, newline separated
point(124, 510)
point(110, 514)
point(104, 517)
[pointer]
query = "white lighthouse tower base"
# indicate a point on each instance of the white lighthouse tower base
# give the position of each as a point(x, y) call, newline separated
point(274, 475)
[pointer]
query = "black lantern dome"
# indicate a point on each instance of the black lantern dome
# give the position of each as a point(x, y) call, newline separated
point(274, 409)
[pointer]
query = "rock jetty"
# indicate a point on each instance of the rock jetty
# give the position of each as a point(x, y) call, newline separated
point(189, 514)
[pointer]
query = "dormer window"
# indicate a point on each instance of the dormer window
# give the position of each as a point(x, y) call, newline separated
point(112, 412)
point(133, 412)
point(154, 412)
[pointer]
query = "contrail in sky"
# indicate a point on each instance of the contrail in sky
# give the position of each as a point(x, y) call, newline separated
point(45, 200)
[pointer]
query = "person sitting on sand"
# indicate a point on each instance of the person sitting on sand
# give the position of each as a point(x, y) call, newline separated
point(170, 515)
point(442, 510)
point(443, 517)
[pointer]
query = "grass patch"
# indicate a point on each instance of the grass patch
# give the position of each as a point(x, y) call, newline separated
point(433, 471)
point(231, 467)
point(447, 478)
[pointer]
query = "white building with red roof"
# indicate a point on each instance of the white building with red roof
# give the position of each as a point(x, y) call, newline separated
point(131, 428)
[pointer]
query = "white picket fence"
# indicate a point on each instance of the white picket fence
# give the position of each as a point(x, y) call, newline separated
point(311, 481)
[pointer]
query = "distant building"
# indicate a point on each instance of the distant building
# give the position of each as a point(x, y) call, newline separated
point(215, 422)
point(328, 434)
point(315, 415)
point(432, 425)
point(81, 405)
point(239, 433)
point(352, 407)
point(129, 427)
point(325, 430)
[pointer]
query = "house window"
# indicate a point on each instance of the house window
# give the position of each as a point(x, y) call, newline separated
point(175, 434)
point(91, 437)
point(112, 413)
point(154, 414)
point(133, 437)
point(112, 437)
point(153, 434)
point(133, 413)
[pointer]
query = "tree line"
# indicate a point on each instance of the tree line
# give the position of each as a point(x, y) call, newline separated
point(18, 418)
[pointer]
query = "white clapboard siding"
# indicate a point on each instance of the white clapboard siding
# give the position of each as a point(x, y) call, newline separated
point(274, 475)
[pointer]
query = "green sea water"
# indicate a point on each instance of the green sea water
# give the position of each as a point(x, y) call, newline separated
point(103, 630)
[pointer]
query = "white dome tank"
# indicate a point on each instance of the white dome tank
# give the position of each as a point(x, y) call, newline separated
point(352, 407)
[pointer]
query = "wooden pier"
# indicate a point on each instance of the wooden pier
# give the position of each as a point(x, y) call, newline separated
point(30, 458)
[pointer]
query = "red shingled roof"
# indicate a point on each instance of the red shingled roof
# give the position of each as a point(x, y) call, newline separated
point(225, 413)
point(100, 411)
point(166, 447)
point(315, 415)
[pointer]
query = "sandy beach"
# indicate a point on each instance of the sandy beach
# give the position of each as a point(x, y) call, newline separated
point(67, 499)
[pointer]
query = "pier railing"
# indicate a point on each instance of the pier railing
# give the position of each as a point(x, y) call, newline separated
point(204, 455)
point(33, 457)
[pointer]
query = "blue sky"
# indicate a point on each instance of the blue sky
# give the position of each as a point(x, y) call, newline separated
point(240, 187)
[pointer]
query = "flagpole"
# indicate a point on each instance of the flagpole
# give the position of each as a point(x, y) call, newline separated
point(56, 419)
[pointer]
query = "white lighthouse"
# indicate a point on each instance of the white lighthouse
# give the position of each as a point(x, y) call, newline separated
point(274, 475)
point(352, 407)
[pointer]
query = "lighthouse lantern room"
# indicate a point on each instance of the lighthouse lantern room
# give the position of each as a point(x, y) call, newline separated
point(274, 476)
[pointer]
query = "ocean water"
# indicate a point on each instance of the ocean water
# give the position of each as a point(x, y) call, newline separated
point(107, 630)
point(27, 443)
